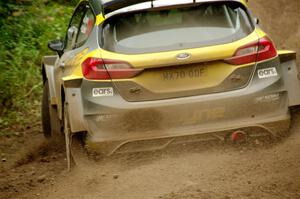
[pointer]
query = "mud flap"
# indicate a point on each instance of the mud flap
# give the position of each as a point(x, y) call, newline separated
point(290, 76)
point(48, 66)
point(68, 136)
point(73, 118)
point(68, 139)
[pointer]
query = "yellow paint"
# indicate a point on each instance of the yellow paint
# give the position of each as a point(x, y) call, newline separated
point(71, 77)
point(260, 32)
point(216, 69)
point(244, 2)
point(154, 60)
point(73, 69)
point(76, 71)
point(285, 52)
point(214, 73)
point(78, 59)
point(99, 19)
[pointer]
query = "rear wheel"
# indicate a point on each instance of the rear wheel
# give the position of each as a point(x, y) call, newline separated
point(50, 121)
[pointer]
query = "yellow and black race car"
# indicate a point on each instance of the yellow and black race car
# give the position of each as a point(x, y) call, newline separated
point(161, 72)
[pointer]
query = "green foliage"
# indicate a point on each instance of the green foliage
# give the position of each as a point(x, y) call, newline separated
point(25, 29)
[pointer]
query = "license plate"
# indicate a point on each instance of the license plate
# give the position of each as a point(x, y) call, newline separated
point(190, 73)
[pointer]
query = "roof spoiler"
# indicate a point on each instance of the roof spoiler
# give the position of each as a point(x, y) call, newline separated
point(111, 6)
point(118, 4)
point(114, 5)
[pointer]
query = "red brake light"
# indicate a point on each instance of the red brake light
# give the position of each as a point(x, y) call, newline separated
point(93, 68)
point(102, 69)
point(266, 50)
point(254, 52)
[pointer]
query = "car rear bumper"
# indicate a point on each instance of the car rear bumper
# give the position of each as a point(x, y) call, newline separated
point(263, 105)
point(183, 135)
point(262, 102)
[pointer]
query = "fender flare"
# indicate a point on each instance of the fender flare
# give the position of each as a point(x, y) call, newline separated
point(291, 76)
point(48, 73)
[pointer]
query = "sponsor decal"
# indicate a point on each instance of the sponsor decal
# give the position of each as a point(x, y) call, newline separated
point(267, 72)
point(268, 98)
point(102, 118)
point(103, 92)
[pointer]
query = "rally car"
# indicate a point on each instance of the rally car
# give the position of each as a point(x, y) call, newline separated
point(140, 75)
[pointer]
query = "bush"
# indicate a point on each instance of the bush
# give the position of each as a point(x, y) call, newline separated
point(26, 28)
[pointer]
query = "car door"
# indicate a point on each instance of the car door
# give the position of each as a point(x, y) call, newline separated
point(70, 39)
point(78, 32)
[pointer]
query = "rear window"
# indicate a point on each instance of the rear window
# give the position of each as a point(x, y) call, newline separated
point(176, 28)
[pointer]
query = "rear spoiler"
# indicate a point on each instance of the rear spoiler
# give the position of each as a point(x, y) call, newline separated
point(286, 55)
point(113, 5)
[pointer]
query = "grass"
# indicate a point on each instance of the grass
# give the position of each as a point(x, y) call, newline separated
point(25, 29)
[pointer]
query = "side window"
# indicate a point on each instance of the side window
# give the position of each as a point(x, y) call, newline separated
point(73, 28)
point(86, 27)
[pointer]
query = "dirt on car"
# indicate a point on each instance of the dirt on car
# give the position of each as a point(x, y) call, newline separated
point(31, 167)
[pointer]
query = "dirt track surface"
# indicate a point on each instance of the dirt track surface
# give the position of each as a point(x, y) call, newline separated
point(38, 169)
point(189, 171)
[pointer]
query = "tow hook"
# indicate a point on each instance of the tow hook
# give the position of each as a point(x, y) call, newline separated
point(238, 136)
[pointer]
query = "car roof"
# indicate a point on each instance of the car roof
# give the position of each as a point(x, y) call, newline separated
point(108, 6)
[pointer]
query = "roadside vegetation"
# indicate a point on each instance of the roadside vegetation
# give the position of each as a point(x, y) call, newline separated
point(26, 26)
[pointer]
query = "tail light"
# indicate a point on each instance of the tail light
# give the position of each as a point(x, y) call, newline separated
point(255, 52)
point(103, 69)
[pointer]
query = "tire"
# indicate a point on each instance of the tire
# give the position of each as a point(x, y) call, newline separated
point(50, 121)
